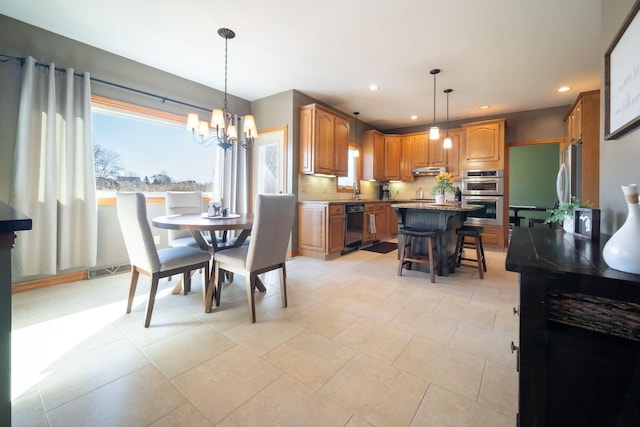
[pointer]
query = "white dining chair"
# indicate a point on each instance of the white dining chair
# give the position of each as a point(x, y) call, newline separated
point(179, 203)
point(272, 225)
point(146, 259)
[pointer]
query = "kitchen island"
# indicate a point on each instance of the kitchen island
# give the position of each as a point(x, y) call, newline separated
point(447, 217)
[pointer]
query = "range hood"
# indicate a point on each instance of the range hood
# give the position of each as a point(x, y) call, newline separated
point(428, 170)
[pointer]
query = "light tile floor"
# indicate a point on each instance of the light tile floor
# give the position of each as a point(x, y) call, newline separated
point(357, 346)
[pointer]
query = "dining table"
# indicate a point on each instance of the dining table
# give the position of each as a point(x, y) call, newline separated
point(201, 224)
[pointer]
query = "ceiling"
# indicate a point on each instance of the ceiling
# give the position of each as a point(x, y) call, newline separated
point(510, 55)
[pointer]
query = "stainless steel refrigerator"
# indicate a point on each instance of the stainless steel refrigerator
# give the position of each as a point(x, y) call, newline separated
point(569, 180)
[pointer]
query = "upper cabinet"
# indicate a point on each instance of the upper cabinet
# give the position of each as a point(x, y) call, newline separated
point(373, 154)
point(583, 127)
point(392, 153)
point(406, 159)
point(483, 145)
point(420, 149)
point(453, 153)
point(324, 141)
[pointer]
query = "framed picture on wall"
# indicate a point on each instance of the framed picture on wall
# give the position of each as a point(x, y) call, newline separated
point(622, 78)
point(587, 222)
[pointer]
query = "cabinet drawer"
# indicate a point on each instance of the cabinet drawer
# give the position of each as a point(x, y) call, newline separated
point(381, 207)
point(370, 208)
point(336, 209)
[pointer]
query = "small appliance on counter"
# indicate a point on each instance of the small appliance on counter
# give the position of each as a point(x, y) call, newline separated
point(384, 192)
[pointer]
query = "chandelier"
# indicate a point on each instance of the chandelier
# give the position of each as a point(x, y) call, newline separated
point(224, 123)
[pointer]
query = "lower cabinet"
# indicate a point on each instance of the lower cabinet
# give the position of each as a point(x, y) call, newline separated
point(493, 236)
point(369, 209)
point(320, 230)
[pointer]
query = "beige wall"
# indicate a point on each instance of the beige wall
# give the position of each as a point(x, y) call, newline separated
point(619, 159)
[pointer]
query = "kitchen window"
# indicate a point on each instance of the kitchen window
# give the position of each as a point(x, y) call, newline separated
point(351, 182)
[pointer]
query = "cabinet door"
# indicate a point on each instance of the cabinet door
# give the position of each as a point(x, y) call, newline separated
point(311, 227)
point(453, 153)
point(369, 209)
point(484, 145)
point(406, 159)
point(575, 123)
point(341, 147)
point(381, 220)
point(392, 220)
point(372, 155)
point(306, 140)
point(392, 149)
point(420, 150)
point(336, 233)
point(324, 144)
point(437, 153)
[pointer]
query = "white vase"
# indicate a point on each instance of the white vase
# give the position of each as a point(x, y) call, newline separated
point(622, 251)
point(567, 224)
point(439, 198)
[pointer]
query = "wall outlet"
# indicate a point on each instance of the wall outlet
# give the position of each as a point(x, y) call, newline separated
point(156, 240)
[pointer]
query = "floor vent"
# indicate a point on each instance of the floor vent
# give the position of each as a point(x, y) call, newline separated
point(107, 271)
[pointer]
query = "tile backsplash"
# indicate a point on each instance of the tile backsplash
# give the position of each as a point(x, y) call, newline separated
point(324, 188)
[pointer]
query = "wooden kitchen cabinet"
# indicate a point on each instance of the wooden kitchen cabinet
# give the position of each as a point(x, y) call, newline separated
point(583, 127)
point(493, 236)
point(483, 145)
point(453, 153)
point(437, 153)
point(369, 209)
point(373, 155)
point(406, 159)
point(420, 142)
point(321, 230)
point(324, 141)
point(392, 220)
point(392, 152)
point(381, 220)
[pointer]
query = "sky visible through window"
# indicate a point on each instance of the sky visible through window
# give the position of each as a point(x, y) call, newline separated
point(147, 148)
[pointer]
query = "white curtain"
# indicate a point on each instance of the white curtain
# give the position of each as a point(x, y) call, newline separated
point(53, 176)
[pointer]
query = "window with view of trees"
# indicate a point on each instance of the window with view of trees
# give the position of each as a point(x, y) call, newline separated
point(137, 151)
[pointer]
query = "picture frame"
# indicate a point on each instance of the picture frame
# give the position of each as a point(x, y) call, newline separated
point(622, 78)
point(586, 223)
point(269, 162)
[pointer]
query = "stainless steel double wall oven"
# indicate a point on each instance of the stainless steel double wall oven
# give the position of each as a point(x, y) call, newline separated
point(486, 188)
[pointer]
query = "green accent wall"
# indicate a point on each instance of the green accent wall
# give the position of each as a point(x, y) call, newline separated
point(532, 177)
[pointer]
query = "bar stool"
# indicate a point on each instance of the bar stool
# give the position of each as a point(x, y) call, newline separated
point(408, 255)
point(475, 233)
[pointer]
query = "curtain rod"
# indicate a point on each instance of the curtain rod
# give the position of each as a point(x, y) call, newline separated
point(94, 79)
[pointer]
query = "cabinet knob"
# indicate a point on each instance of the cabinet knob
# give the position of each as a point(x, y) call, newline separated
point(516, 311)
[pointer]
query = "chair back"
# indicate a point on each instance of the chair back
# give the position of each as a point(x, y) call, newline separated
point(182, 202)
point(132, 215)
point(272, 225)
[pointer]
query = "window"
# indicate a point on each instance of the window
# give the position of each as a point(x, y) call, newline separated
point(351, 182)
point(141, 149)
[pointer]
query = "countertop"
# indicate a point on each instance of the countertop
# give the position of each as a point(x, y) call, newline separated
point(343, 202)
point(447, 206)
point(12, 220)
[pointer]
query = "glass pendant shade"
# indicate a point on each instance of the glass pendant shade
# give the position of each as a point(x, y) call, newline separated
point(434, 132)
point(447, 143)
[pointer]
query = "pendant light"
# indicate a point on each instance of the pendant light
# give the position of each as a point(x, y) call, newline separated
point(434, 132)
point(447, 141)
point(357, 152)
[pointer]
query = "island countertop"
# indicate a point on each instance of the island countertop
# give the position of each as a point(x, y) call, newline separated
point(437, 207)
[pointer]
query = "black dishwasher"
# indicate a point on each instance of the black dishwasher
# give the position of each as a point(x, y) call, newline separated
point(354, 226)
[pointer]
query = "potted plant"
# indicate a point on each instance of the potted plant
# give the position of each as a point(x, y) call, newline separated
point(563, 214)
point(444, 184)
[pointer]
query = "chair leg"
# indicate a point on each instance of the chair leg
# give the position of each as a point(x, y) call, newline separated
point(250, 278)
point(152, 298)
point(484, 262)
point(432, 263)
point(479, 258)
point(205, 282)
point(212, 288)
point(186, 282)
point(283, 286)
point(402, 250)
point(132, 287)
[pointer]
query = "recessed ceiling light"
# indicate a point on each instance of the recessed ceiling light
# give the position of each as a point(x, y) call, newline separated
point(373, 88)
point(484, 107)
point(564, 89)
point(414, 117)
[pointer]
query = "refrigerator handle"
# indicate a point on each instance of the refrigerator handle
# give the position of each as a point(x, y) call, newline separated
point(561, 181)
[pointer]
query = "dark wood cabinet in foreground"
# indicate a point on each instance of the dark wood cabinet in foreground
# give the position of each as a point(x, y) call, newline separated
point(579, 350)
